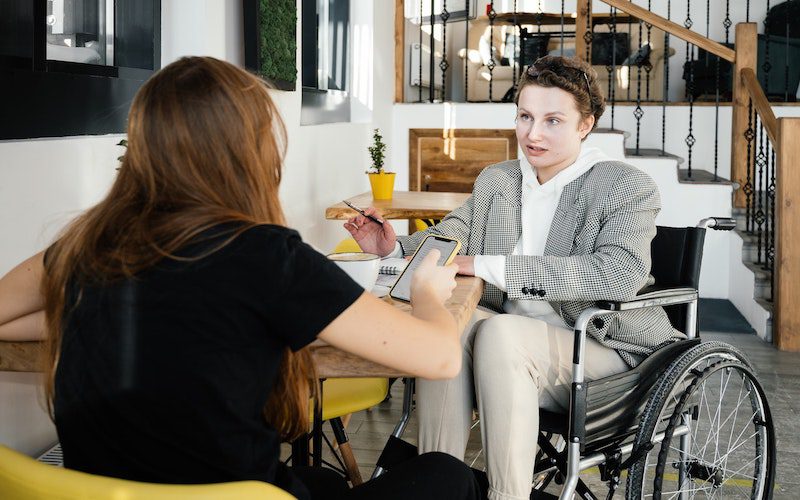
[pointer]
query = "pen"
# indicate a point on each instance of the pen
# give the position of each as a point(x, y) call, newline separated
point(370, 217)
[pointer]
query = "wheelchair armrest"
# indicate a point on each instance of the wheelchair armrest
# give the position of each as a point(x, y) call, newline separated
point(651, 296)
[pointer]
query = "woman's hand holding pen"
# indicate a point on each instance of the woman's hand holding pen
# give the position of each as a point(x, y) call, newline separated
point(372, 237)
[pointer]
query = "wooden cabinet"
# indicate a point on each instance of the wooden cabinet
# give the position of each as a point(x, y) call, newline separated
point(451, 159)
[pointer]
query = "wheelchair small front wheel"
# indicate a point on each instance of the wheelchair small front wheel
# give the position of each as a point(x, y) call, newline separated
point(710, 430)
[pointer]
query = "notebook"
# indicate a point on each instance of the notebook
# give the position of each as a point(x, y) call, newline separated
point(390, 270)
point(392, 265)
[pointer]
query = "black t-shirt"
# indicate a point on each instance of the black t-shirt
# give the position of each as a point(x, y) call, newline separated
point(163, 378)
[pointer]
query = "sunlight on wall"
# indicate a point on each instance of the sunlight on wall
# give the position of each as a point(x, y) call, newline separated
point(362, 66)
point(448, 131)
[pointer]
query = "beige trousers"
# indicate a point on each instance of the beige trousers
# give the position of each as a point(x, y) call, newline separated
point(512, 366)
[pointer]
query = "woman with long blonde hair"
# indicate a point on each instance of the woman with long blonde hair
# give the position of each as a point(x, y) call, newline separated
point(176, 312)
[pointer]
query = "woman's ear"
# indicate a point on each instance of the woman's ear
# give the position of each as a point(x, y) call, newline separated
point(586, 126)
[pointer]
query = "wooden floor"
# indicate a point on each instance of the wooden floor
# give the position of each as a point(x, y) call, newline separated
point(779, 373)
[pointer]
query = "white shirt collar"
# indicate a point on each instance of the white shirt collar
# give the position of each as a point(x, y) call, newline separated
point(586, 159)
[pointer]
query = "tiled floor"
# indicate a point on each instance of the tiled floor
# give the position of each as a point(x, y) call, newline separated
point(779, 373)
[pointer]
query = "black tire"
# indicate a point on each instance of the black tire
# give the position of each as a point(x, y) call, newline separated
point(735, 456)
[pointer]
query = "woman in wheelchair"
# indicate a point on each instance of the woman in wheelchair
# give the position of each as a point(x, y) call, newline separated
point(550, 234)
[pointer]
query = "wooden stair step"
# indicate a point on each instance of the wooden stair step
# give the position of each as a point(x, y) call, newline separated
point(652, 153)
point(700, 177)
point(768, 305)
point(603, 130)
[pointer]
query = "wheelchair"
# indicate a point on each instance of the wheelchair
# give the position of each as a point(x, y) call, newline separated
point(691, 419)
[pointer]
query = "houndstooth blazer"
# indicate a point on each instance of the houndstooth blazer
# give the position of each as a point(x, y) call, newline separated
point(598, 248)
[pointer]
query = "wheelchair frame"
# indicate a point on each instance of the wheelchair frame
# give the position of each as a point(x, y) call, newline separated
point(576, 438)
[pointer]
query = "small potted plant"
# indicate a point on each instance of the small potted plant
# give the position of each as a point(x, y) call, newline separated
point(382, 182)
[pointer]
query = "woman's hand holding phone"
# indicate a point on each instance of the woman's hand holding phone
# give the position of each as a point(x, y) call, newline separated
point(371, 236)
point(431, 282)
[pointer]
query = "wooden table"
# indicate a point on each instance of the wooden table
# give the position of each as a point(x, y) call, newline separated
point(331, 362)
point(403, 205)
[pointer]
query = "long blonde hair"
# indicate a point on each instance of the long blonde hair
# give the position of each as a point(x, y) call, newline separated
point(205, 146)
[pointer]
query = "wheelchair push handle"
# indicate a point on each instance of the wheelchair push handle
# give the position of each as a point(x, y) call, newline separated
point(718, 223)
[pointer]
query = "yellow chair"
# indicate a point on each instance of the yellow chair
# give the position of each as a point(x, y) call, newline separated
point(342, 397)
point(423, 224)
point(23, 478)
point(347, 245)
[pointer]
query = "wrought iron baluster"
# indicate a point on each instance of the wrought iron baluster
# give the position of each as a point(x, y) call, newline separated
point(761, 161)
point(466, 53)
point(637, 111)
point(562, 29)
point(749, 135)
point(430, 59)
point(716, 93)
point(753, 174)
point(491, 64)
point(716, 120)
point(786, 54)
point(687, 23)
point(727, 23)
point(628, 89)
point(517, 52)
point(767, 207)
point(747, 12)
point(443, 65)
point(766, 66)
point(588, 35)
point(690, 140)
point(665, 97)
point(612, 67)
point(539, 16)
point(771, 248)
point(420, 51)
point(648, 66)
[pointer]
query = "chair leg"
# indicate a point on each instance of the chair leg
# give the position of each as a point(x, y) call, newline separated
point(346, 451)
point(345, 423)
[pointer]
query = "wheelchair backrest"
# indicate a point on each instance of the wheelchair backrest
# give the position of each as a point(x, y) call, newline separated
point(677, 254)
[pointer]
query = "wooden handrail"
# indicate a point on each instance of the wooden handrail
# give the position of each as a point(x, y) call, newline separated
point(761, 104)
point(674, 29)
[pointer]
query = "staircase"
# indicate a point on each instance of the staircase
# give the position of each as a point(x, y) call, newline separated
point(731, 255)
point(684, 202)
point(750, 289)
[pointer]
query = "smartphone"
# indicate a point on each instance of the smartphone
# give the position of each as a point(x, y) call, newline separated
point(448, 248)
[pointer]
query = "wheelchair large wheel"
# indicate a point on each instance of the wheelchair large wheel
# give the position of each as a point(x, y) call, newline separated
point(708, 430)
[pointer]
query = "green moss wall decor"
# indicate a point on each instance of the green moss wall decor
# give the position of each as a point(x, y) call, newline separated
point(270, 44)
point(277, 42)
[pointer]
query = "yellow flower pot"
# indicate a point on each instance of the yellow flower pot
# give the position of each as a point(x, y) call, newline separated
point(382, 185)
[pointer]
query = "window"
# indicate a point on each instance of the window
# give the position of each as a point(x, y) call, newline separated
point(80, 31)
point(325, 64)
point(72, 67)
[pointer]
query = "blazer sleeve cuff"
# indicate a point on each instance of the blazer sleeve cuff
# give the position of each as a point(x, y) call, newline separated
point(492, 269)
